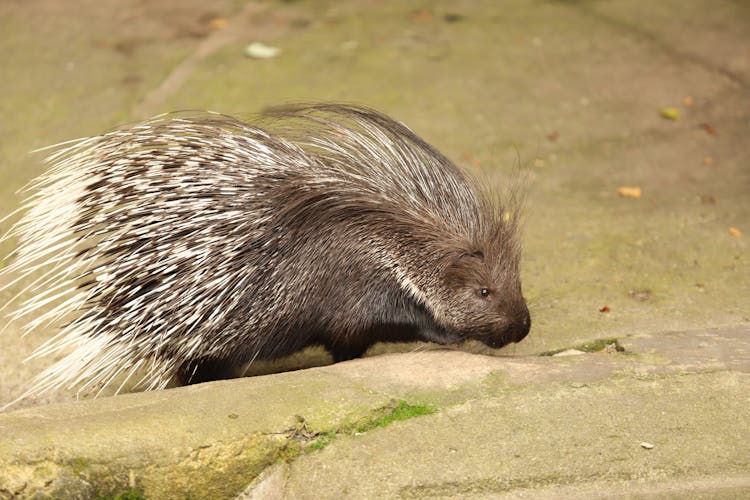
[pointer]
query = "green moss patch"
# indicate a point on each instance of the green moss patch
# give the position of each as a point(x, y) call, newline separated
point(382, 417)
point(401, 411)
point(322, 440)
point(126, 495)
point(79, 465)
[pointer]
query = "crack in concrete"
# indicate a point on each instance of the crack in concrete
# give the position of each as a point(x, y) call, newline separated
point(234, 31)
point(549, 485)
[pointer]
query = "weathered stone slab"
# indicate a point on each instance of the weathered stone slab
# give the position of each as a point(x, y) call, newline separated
point(501, 425)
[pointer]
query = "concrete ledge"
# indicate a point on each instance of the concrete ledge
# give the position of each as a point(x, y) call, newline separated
point(211, 440)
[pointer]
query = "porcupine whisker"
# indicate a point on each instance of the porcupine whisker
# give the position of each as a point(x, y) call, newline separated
point(249, 363)
point(423, 348)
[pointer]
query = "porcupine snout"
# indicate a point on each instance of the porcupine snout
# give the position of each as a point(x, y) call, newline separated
point(521, 324)
point(514, 329)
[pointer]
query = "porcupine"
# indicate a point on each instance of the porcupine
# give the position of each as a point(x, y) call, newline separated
point(192, 244)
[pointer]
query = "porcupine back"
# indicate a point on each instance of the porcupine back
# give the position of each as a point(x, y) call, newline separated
point(195, 238)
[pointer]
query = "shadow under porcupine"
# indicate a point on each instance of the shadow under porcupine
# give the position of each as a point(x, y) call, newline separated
point(191, 244)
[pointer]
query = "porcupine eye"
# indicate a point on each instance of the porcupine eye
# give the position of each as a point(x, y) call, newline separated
point(484, 292)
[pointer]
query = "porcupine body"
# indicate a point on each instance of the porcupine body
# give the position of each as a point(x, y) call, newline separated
point(192, 244)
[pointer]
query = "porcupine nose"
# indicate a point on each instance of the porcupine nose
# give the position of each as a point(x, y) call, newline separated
point(521, 325)
point(514, 329)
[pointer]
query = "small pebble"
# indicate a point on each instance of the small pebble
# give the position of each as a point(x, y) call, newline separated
point(647, 446)
point(258, 50)
point(568, 352)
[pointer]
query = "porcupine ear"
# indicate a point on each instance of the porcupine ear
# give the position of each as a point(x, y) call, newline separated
point(460, 257)
point(463, 260)
point(473, 254)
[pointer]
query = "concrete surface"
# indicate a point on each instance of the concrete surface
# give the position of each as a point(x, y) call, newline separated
point(527, 425)
point(569, 90)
